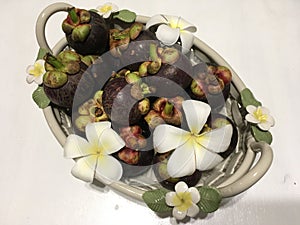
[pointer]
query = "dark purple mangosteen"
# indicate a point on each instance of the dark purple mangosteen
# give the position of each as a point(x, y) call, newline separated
point(86, 32)
point(63, 75)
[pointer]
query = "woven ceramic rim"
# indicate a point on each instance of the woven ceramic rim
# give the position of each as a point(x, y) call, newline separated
point(248, 173)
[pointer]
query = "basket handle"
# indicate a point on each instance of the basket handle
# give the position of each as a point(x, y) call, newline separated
point(254, 174)
point(42, 21)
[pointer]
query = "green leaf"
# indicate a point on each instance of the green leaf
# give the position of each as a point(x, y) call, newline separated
point(126, 16)
point(42, 52)
point(40, 98)
point(248, 98)
point(210, 199)
point(156, 200)
point(261, 135)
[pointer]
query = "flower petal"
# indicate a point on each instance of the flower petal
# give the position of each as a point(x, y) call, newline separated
point(181, 23)
point(157, 19)
point(265, 126)
point(29, 69)
point(206, 160)
point(179, 214)
point(187, 39)
point(217, 140)
point(182, 160)
point(250, 109)
point(39, 79)
point(167, 35)
point(170, 198)
point(250, 118)
point(193, 210)
point(93, 131)
point(194, 194)
point(167, 138)
point(181, 187)
point(84, 168)
point(30, 79)
point(196, 114)
point(108, 169)
point(110, 141)
point(77, 146)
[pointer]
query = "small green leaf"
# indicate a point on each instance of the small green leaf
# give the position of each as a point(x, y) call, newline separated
point(210, 199)
point(248, 98)
point(156, 201)
point(42, 52)
point(125, 16)
point(261, 135)
point(40, 98)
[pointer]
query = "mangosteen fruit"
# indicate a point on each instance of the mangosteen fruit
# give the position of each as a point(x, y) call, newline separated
point(63, 74)
point(137, 155)
point(211, 84)
point(121, 103)
point(86, 32)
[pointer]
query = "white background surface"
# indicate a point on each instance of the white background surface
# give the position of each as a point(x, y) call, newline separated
point(259, 39)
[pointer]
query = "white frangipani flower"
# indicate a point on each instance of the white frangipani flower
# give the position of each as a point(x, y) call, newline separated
point(261, 116)
point(92, 156)
point(171, 28)
point(36, 72)
point(193, 149)
point(106, 9)
point(184, 200)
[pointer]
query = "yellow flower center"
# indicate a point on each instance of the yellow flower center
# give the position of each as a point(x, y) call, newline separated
point(258, 114)
point(106, 8)
point(183, 201)
point(37, 70)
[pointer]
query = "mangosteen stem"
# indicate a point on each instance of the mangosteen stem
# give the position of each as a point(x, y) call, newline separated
point(53, 61)
point(73, 15)
point(168, 109)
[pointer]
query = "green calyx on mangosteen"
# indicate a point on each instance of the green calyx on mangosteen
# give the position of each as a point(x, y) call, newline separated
point(63, 73)
point(86, 32)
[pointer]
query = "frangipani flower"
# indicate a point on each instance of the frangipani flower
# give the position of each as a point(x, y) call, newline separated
point(36, 72)
point(106, 9)
point(261, 116)
point(193, 149)
point(183, 200)
point(171, 28)
point(93, 155)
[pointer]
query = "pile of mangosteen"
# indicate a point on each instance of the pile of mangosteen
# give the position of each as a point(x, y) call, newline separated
point(118, 71)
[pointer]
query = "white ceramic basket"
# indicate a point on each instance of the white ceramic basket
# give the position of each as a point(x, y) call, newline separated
point(236, 174)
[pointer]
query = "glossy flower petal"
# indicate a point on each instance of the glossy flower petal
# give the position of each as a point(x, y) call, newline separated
point(167, 138)
point(36, 72)
point(183, 200)
point(217, 140)
point(261, 116)
point(181, 161)
point(93, 155)
point(193, 210)
point(193, 150)
point(157, 19)
point(167, 35)
point(171, 28)
point(187, 39)
point(178, 214)
point(196, 114)
point(77, 146)
point(108, 169)
point(106, 9)
point(94, 131)
point(84, 168)
point(205, 159)
point(110, 141)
